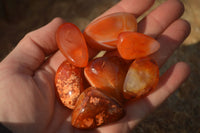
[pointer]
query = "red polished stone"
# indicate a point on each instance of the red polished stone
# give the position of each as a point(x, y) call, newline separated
point(95, 109)
point(69, 84)
point(132, 45)
point(72, 44)
point(107, 74)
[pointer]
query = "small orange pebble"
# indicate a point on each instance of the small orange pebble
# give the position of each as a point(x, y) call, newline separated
point(107, 74)
point(132, 45)
point(142, 76)
point(69, 84)
point(103, 32)
point(95, 109)
point(71, 43)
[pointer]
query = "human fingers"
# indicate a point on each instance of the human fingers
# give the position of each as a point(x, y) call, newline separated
point(31, 51)
point(136, 7)
point(160, 18)
point(170, 39)
point(169, 82)
point(157, 21)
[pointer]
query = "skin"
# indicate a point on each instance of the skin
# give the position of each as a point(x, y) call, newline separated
point(28, 101)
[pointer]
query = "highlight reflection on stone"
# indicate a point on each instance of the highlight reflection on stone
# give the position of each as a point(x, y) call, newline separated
point(107, 74)
point(142, 77)
point(69, 84)
point(94, 109)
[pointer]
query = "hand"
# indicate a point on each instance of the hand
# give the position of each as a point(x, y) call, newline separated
point(28, 100)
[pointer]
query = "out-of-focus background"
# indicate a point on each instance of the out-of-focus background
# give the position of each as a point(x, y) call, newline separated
point(179, 114)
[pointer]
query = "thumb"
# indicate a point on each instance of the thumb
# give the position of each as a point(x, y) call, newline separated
point(31, 51)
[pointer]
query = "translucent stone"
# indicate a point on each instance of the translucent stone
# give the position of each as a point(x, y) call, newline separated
point(142, 77)
point(133, 45)
point(103, 32)
point(69, 84)
point(107, 74)
point(71, 43)
point(95, 109)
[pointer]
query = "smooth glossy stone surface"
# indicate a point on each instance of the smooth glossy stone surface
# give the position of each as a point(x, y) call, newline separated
point(69, 84)
point(142, 77)
point(72, 44)
point(103, 32)
point(107, 74)
point(94, 109)
point(132, 45)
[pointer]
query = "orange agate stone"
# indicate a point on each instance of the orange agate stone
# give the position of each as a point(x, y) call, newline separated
point(72, 44)
point(107, 74)
point(141, 78)
point(132, 45)
point(95, 109)
point(103, 32)
point(69, 84)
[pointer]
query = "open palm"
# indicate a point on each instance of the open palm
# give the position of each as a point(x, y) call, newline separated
point(28, 99)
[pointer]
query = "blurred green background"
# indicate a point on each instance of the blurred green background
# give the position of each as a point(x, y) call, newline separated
point(179, 114)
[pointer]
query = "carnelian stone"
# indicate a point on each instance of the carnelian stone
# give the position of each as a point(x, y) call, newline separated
point(132, 45)
point(107, 74)
point(142, 76)
point(103, 32)
point(72, 44)
point(94, 109)
point(69, 84)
